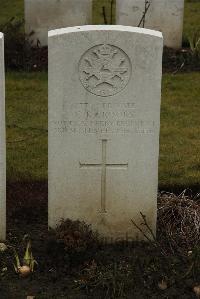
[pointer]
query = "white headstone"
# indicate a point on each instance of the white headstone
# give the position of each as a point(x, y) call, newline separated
point(44, 15)
point(2, 145)
point(163, 15)
point(104, 112)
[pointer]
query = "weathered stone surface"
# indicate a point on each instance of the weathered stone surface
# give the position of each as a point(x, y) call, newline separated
point(44, 15)
point(104, 114)
point(163, 15)
point(2, 144)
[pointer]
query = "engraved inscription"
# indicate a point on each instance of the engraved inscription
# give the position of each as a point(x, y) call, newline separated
point(104, 127)
point(102, 118)
point(104, 70)
point(104, 165)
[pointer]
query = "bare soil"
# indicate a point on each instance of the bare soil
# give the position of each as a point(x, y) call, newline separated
point(124, 270)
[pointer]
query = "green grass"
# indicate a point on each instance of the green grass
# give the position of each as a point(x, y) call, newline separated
point(98, 17)
point(180, 131)
point(26, 105)
point(191, 18)
point(26, 111)
point(10, 9)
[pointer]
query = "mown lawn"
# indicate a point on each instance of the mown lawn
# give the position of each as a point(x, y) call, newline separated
point(10, 9)
point(26, 116)
point(26, 105)
point(180, 130)
point(191, 18)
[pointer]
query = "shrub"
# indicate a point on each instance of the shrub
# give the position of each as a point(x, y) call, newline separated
point(20, 54)
point(72, 243)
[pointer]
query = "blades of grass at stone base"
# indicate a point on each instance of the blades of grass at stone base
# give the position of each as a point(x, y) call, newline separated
point(28, 257)
point(17, 264)
point(194, 42)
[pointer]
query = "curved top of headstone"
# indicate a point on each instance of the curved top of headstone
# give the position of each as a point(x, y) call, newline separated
point(1, 35)
point(88, 28)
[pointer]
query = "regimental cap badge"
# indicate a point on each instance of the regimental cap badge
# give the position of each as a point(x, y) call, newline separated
point(105, 51)
point(105, 70)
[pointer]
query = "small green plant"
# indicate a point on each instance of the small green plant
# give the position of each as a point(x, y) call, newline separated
point(28, 264)
point(194, 42)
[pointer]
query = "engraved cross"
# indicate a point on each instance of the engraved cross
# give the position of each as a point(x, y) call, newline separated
point(104, 165)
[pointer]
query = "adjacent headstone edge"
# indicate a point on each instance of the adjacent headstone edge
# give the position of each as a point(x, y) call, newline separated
point(3, 146)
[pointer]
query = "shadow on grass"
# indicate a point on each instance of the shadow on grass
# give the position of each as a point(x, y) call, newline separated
point(192, 190)
point(27, 205)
